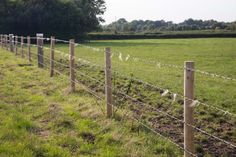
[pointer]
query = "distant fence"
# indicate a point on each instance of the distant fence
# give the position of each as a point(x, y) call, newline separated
point(24, 49)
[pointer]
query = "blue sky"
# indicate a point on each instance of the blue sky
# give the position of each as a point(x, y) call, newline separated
point(171, 10)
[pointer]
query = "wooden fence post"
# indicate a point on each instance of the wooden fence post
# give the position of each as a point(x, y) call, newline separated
point(188, 109)
point(16, 45)
point(1, 40)
point(108, 84)
point(52, 56)
point(72, 65)
point(29, 48)
point(40, 50)
point(6, 43)
point(11, 43)
point(22, 47)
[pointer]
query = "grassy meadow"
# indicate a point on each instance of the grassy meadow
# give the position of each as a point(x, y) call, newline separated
point(215, 55)
point(39, 117)
point(154, 65)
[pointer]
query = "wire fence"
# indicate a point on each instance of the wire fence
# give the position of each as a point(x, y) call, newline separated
point(134, 92)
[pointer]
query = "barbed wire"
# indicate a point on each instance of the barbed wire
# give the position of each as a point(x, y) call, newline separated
point(170, 116)
point(202, 131)
point(65, 55)
point(197, 103)
point(77, 82)
point(77, 71)
point(151, 129)
point(146, 126)
point(183, 122)
point(78, 44)
point(89, 77)
point(146, 60)
point(166, 91)
point(160, 64)
point(216, 75)
point(100, 98)
point(159, 134)
point(141, 81)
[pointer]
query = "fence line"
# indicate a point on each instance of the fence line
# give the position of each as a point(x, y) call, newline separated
point(170, 116)
point(179, 120)
point(160, 64)
point(197, 102)
point(189, 101)
point(146, 126)
point(141, 81)
point(100, 82)
point(100, 98)
point(136, 59)
point(174, 93)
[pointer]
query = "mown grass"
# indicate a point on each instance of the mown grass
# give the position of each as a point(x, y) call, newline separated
point(40, 117)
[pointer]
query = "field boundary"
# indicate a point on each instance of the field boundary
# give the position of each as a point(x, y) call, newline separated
point(10, 43)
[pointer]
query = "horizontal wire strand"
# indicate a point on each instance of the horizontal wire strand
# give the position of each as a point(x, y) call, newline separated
point(141, 81)
point(170, 116)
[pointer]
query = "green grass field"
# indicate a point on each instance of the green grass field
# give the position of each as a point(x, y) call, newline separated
point(215, 55)
point(210, 55)
point(40, 118)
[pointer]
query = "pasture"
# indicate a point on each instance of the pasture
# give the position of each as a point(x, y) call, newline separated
point(39, 117)
point(137, 64)
point(215, 55)
point(151, 73)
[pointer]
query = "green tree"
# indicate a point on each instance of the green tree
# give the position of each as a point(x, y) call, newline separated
point(62, 18)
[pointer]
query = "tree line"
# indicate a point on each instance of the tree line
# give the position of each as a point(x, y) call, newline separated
point(62, 18)
point(122, 25)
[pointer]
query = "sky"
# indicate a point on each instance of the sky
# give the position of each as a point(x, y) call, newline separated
point(170, 10)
